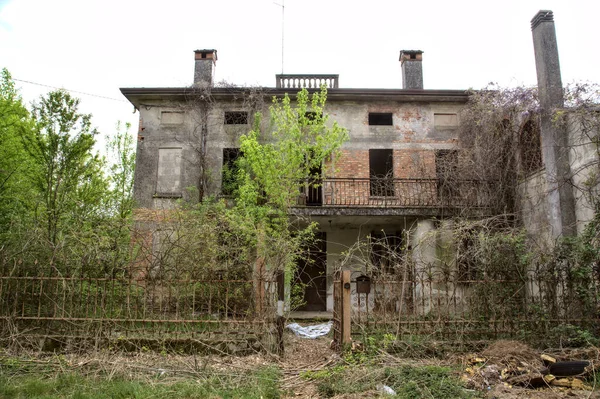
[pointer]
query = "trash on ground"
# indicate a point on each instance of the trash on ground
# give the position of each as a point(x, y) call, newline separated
point(385, 389)
point(312, 332)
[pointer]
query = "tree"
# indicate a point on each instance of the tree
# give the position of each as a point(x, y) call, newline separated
point(277, 158)
point(67, 176)
point(291, 149)
point(15, 123)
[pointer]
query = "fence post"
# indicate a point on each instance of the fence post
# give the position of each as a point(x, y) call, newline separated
point(346, 315)
point(280, 308)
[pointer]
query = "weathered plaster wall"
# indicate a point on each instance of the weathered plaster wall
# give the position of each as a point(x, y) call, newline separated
point(585, 169)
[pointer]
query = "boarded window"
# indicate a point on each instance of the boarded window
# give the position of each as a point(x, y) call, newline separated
point(381, 172)
point(236, 118)
point(229, 178)
point(445, 121)
point(168, 182)
point(171, 118)
point(380, 119)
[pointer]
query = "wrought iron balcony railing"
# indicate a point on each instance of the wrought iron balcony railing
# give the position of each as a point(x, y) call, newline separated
point(394, 193)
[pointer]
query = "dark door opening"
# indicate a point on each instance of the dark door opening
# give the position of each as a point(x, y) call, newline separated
point(311, 272)
point(381, 173)
point(314, 196)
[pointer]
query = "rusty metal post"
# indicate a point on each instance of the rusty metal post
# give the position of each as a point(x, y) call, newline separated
point(346, 315)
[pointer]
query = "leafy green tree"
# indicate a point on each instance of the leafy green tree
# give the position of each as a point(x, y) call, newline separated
point(67, 176)
point(293, 149)
point(15, 190)
point(276, 157)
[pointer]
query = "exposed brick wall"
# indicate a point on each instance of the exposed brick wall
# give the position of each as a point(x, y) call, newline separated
point(353, 164)
point(408, 164)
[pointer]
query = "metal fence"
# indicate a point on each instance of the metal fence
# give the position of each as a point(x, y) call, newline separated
point(539, 306)
point(236, 315)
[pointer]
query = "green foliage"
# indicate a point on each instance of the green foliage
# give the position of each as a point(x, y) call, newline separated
point(59, 209)
point(15, 189)
point(409, 382)
point(277, 158)
point(67, 176)
point(289, 150)
point(262, 383)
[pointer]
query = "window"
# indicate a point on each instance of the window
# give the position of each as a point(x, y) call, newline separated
point(171, 118)
point(312, 115)
point(445, 121)
point(386, 251)
point(381, 173)
point(530, 147)
point(168, 181)
point(228, 181)
point(236, 118)
point(380, 119)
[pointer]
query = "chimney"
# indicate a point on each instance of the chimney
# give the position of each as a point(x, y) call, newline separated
point(205, 62)
point(555, 145)
point(412, 69)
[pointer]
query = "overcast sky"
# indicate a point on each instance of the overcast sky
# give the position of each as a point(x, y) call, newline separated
point(95, 46)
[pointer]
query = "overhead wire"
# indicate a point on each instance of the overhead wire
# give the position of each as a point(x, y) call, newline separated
point(69, 90)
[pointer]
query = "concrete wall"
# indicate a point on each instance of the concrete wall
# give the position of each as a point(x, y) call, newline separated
point(174, 130)
point(585, 170)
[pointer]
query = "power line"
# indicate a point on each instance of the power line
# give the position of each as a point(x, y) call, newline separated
point(71, 91)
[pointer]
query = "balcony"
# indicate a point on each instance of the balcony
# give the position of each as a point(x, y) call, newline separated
point(306, 81)
point(388, 196)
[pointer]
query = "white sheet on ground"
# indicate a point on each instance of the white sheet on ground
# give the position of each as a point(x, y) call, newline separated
point(310, 331)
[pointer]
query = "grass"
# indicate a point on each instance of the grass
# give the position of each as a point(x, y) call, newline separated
point(263, 383)
point(409, 382)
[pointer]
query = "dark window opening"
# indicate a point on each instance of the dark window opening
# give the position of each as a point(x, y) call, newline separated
point(380, 119)
point(386, 252)
point(381, 173)
point(230, 168)
point(531, 149)
point(203, 55)
point(446, 171)
point(236, 118)
point(312, 115)
point(466, 258)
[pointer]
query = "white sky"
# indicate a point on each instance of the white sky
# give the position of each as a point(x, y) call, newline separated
point(95, 46)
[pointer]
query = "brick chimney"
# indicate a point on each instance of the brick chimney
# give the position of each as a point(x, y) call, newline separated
point(412, 69)
point(204, 70)
point(555, 145)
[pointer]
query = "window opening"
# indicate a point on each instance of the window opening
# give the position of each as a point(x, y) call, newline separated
point(230, 167)
point(380, 119)
point(236, 118)
point(381, 173)
point(531, 148)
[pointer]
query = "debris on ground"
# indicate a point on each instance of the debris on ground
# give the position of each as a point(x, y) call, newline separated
point(511, 364)
point(311, 332)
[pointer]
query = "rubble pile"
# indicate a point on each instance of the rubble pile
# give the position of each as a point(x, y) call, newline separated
point(512, 363)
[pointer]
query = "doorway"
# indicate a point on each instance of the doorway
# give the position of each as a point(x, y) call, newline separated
point(311, 273)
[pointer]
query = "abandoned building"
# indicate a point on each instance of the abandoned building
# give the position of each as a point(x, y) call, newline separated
point(389, 179)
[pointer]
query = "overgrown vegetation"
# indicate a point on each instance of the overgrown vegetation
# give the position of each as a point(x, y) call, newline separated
point(63, 206)
point(407, 382)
